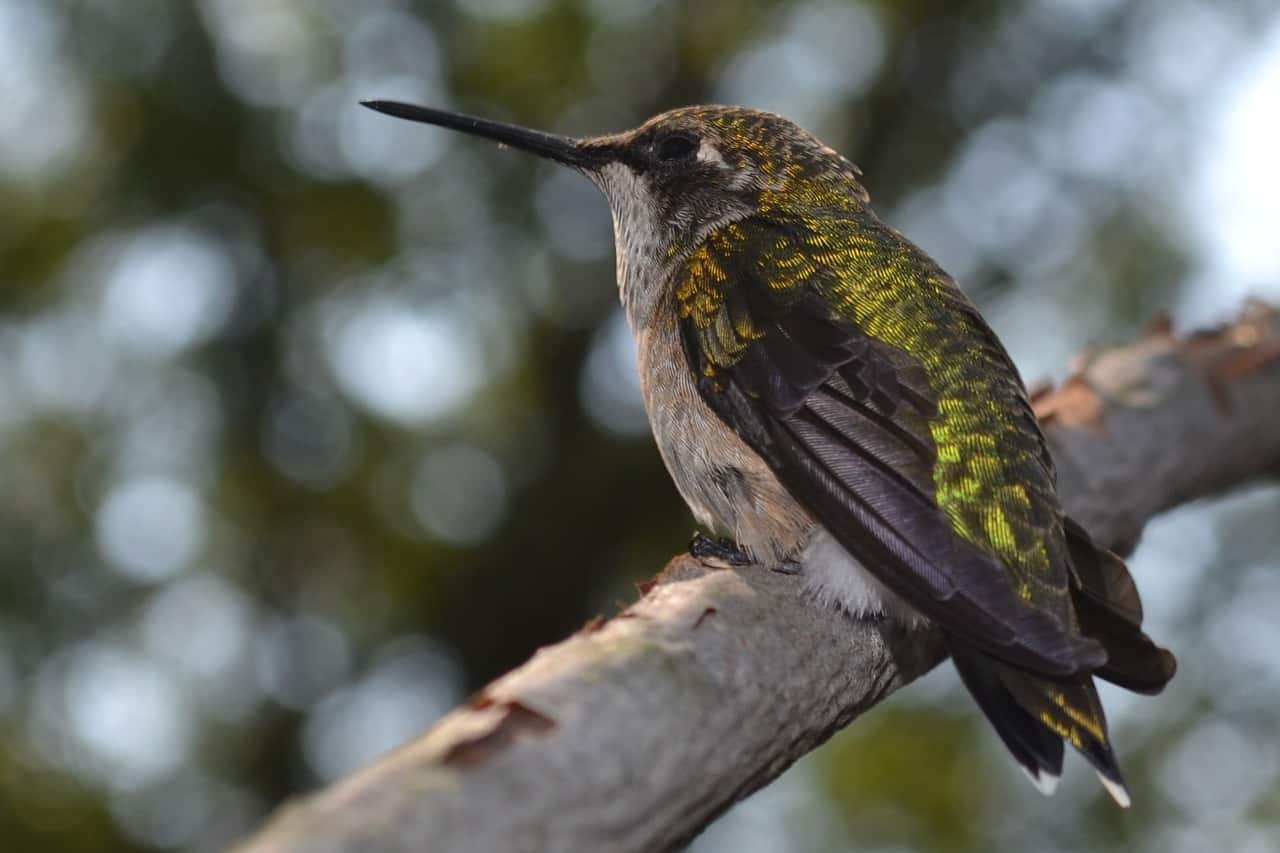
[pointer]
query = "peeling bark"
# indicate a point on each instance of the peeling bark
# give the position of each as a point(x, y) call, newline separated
point(636, 732)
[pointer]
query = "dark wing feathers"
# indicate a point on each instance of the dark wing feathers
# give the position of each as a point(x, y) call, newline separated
point(1107, 605)
point(1102, 577)
point(908, 543)
point(891, 449)
point(843, 420)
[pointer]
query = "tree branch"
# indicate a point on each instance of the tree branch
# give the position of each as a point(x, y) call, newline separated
point(633, 734)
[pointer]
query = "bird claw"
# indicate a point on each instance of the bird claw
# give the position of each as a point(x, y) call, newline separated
point(719, 553)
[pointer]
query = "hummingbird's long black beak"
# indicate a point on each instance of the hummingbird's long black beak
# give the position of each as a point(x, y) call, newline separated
point(561, 149)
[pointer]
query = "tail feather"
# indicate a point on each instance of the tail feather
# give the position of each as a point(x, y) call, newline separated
point(1134, 662)
point(1037, 749)
point(1072, 711)
point(1034, 716)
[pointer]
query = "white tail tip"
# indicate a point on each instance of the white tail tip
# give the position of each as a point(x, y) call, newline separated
point(1116, 790)
point(1045, 782)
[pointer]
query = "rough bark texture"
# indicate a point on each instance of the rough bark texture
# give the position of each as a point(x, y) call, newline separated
point(636, 732)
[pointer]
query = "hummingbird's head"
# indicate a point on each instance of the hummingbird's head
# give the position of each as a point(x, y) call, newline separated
point(678, 176)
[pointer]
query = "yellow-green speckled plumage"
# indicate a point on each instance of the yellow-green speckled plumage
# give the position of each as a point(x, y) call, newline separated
point(992, 475)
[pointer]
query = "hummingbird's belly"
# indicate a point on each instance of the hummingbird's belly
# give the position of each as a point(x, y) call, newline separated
point(732, 490)
point(726, 484)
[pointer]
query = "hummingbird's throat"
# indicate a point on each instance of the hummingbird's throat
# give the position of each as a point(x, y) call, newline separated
point(639, 239)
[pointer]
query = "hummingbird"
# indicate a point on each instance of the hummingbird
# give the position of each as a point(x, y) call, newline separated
point(829, 402)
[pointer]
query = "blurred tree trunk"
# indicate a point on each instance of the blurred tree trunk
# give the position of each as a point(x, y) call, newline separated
point(636, 732)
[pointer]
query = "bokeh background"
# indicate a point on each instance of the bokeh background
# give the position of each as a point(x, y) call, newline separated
point(312, 421)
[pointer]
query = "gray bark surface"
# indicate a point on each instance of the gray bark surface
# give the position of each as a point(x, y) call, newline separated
point(633, 734)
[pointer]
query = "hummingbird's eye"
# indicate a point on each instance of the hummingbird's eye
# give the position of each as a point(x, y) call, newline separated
point(675, 146)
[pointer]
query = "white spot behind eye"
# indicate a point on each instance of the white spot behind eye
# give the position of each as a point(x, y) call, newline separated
point(708, 153)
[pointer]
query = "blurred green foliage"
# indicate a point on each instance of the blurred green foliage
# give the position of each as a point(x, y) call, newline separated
point(311, 422)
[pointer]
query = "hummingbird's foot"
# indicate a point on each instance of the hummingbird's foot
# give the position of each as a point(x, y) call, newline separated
point(788, 567)
point(720, 553)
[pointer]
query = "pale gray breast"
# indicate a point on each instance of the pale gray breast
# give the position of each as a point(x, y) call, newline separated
point(727, 486)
